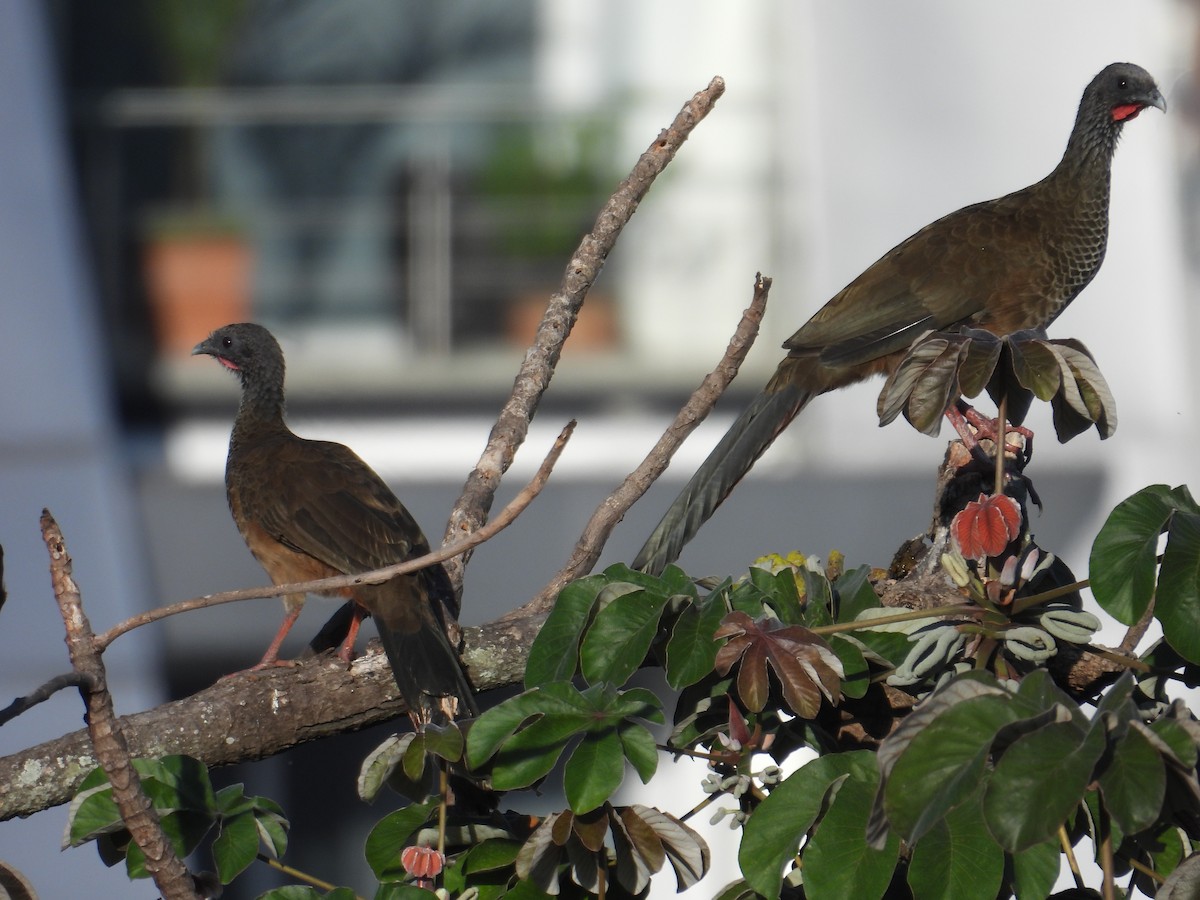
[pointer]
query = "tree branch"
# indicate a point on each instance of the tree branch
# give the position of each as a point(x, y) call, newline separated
point(256, 715)
point(104, 732)
point(699, 405)
point(512, 425)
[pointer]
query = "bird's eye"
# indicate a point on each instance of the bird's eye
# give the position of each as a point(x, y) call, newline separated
point(1122, 83)
point(226, 342)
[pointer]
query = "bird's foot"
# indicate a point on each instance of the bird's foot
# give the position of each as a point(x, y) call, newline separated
point(261, 666)
point(972, 426)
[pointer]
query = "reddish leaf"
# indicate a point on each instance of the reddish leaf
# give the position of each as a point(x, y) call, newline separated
point(805, 665)
point(986, 526)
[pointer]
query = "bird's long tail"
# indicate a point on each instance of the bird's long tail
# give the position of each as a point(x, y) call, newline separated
point(754, 431)
point(424, 664)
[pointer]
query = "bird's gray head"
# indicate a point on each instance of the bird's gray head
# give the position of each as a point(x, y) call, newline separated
point(247, 349)
point(1120, 92)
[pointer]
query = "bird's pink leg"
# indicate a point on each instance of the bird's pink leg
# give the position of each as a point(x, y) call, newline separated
point(346, 649)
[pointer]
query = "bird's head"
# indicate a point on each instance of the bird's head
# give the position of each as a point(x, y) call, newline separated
point(245, 348)
point(1120, 92)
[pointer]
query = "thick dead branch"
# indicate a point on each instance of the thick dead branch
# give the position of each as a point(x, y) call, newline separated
point(699, 405)
point(256, 715)
point(104, 732)
point(512, 425)
point(507, 515)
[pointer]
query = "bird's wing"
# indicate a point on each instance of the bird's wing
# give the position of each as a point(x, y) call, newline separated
point(326, 502)
point(948, 274)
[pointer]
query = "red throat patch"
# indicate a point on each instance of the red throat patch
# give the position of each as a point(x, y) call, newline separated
point(227, 364)
point(1126, 111)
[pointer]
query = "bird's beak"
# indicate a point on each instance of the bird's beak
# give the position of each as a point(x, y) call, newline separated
point(1156, 99)
point(202, 349)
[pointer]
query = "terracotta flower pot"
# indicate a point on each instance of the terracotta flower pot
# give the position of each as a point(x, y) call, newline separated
point(196, 283)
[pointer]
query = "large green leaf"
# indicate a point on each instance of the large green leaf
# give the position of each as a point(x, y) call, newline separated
point(838, 862)
point(943, 764)
point(1177, 603)
point(619, 638)
point(1035, 870)
point(772, 835)
point(1123, 558)
point(854, 594)
point(594, 770)
point(1038, 782)
point(236, 847)
point(780, 592)
point(692, 650)
point(555, 649)
point(1134, 783)
point(957, 859)
point(856, 676)
point(528, 733)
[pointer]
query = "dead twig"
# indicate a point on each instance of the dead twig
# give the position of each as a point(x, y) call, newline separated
point(512, 425)
point(447, 551)
point(699, 405)
point(44, 693)
point(168, 871)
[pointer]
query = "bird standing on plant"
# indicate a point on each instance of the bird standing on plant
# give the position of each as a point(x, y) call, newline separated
point(1004, 265)
point(312, 509)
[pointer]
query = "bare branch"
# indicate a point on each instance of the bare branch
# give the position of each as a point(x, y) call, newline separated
point(168, 871)
point(699, 405)
point(44, 693)
point(377, 576)
point(256, 715)
point(512, 425)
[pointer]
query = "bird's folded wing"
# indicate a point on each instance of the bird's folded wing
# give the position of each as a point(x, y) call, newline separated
point(330, 504)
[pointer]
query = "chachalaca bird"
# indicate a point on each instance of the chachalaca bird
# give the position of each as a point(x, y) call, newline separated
point(1002, 265)
point(311, 509)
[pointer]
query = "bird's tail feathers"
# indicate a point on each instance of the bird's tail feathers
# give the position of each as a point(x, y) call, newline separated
point(426, 668)
point(749, 437)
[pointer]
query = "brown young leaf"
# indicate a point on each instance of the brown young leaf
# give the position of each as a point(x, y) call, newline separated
point(805, 665)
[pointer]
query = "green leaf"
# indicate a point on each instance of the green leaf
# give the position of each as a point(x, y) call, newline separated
point(617, 642)
point(1134, 783)
point(390, 835)
point(957, 859)
point(1036, 870)
point(1038, 782)
point(1176, 737)
point(780, 592)
point(1124, 554)
point(594, 771)
point(943, 764)
point(856, 676)
point(818, 599)
point(555, 649)
point(1036, 367)
point(837, 860)
point(772, 835)
point(549, 718)
point(491, 855)
point(92, 812)
point(1177, 602)
point(235, 847)
point(272, 827)
point(640, 749)
point(492, 728)
point(854, 594)
point(691, 649)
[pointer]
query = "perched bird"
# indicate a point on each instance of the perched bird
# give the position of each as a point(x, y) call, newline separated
point(312, 509)
point(1002, 265)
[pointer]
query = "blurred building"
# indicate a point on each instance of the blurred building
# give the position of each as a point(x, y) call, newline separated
point(395, 188)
